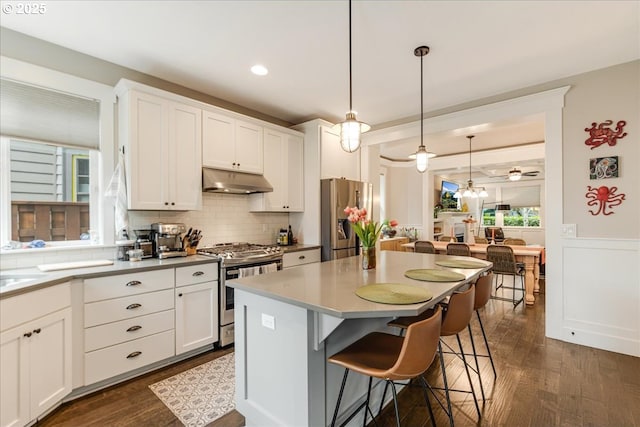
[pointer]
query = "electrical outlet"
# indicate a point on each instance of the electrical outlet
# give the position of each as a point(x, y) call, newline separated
point(268, 321)
point(569, 230)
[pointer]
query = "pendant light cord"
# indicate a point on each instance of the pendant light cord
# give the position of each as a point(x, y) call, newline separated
point(350, 77)
point(421, 103)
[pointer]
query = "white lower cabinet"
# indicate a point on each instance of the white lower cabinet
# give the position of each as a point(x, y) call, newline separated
point(293, 259)
point(128, 322)
point(35, 357)
point(196, 299)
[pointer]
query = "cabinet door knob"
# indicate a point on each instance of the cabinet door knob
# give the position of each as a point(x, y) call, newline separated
point(166, 203)
point(301, 257)
point(37, 331)
point(134, 328)
point(198, 273)
point(238, 164)
point(132, 306)
point(27, 334)
point(134, 354)
point(234, 163)
point(179, 295)
point(134, 283)
point(173, 203)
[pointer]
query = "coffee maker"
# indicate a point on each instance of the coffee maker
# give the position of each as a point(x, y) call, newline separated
point(167, 240)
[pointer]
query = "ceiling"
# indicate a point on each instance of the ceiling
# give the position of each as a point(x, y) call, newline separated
point(478, 49)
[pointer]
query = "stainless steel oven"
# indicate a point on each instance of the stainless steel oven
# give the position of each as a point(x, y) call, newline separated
point(239, 260)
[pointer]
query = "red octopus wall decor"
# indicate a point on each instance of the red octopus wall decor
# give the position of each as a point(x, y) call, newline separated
point(604, 198)
point(602, 134)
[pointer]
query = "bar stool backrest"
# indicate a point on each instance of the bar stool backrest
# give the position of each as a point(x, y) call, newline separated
point(483, 291)
point(459, 312)
point(424, 247)
point(503, 259)
point(461, 249)
point(418, 349)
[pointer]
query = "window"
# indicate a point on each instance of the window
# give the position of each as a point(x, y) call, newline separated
point(522, 217)
point(49, 191)
point(525, 207)
point(56, 147)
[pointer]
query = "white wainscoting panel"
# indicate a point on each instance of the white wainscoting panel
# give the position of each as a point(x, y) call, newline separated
point(601, 294)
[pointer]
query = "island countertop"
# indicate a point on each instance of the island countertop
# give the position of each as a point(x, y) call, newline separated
point(329, 287)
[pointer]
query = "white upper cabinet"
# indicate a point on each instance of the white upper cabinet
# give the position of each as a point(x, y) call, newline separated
point(162, 142)
point(231, 144)
point(334, 161)
point(284, 169)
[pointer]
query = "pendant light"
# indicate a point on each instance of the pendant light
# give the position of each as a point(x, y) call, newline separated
point(351, 129)
point(422, 156)
point(471, 191)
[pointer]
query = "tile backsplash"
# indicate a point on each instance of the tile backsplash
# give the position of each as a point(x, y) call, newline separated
point(223, 218)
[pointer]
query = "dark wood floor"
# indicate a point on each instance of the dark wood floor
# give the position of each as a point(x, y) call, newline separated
point(541, 382)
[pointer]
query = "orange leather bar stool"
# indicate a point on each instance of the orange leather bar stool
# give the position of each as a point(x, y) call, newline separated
point(456, 318)
point(391, 358)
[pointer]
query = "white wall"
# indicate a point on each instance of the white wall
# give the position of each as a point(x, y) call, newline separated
point(403, 196)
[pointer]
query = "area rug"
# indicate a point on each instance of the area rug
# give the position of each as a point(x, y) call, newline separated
point(202, 394)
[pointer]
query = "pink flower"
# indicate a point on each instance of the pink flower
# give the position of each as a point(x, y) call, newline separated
point(393, 223)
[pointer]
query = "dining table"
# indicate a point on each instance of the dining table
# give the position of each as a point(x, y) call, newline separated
point(532, 256)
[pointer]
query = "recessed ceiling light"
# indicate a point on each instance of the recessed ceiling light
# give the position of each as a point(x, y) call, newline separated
point(259, 70)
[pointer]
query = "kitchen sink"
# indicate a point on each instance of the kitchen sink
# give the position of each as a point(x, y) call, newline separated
point(17, 279)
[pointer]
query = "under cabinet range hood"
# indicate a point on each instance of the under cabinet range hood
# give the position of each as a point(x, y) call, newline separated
point(221, 181)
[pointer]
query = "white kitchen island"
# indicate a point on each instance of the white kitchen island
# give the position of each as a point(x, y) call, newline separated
point(287, 323)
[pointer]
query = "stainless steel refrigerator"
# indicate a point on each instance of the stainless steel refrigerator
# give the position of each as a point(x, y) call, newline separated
point(338, 239)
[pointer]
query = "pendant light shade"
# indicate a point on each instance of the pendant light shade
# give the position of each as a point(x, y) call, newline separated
point(422, 156)
point(351, 129)
point(471, 191)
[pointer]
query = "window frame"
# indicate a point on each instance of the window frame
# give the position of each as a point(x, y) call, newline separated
point(102, 161)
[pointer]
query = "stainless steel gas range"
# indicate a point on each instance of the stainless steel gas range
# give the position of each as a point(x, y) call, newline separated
point(239, 260)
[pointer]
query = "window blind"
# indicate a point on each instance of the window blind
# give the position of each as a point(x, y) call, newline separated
point(521, 197)
point(39, 114)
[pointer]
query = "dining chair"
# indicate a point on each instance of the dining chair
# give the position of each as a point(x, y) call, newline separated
point(424, 247)
point(444, 238)
point(461, 249)
point(392, 358)
point(456, 317)
point(514, 242)
point(504, 263)
point(495, 232)
point(481, 240)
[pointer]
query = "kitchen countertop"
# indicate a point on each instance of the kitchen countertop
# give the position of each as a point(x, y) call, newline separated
point(45, 279)
point(298, 248)
point(329, 287)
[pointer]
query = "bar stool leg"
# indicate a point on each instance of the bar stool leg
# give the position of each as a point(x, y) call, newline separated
point(425, 387)
point(466, 368)
point(446, 386)
point(475, 356)
point(335, 413)
point(395, 401)
point(486, 344)
point(364, 423)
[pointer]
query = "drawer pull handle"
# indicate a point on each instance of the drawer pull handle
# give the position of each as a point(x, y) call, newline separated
point(132, 306)
point(301, 257)
point(27, 334)
point(134, 328)
point(37, 331)
point(134, 283)
point(198, 273)
point(134, 354)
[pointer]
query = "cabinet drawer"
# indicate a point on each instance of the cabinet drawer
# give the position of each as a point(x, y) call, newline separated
point(126, 330)
point(121, 285)
point(292, 259)
point(98, 313)
point(32, 305)
point(125, 357)
point(196, 274)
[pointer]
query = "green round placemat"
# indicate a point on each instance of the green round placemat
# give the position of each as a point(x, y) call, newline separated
point(393, 293)
point(460, 263)
point(434, 275)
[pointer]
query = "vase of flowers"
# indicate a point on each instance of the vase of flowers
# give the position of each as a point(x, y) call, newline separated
point(368, 232)
point(388, 227)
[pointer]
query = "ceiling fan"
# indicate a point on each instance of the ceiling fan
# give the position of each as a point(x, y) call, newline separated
point(515, 174)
